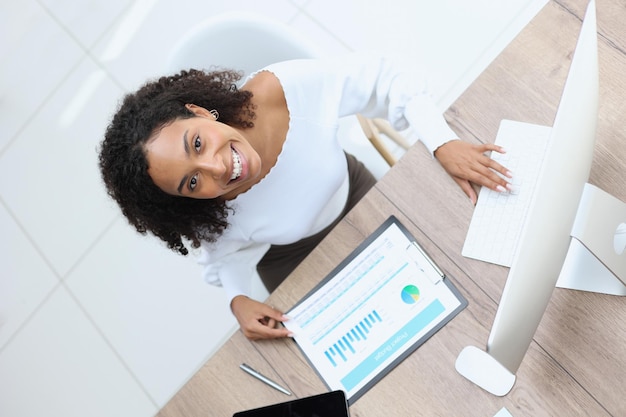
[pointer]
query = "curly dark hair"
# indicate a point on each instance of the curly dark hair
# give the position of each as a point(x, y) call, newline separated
point(124, 166)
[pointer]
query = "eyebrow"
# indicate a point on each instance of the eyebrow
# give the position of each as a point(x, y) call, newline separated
point(186, 146)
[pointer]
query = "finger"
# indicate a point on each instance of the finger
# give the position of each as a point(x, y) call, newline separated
point(490, 147)
point(496, 166)
point(471, 193)
point(467, 189)
point(494, 180)
point(259, 331)
point(487, 160)
point(486, 174)
point(490, 180)
point(274, 314)
point(271, 323)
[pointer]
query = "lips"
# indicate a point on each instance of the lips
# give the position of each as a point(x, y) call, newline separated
point(237, 166)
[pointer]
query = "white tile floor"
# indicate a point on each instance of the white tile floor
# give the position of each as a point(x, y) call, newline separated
point(96, 320)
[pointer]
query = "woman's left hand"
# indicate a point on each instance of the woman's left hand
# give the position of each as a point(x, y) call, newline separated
point(467, 163)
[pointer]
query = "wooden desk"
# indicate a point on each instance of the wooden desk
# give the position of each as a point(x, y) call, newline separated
point(576, 364)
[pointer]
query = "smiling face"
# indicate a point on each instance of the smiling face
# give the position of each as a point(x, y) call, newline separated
point(202, 158)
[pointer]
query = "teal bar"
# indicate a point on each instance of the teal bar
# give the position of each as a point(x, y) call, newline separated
point(377, 316)
point(330, 359)
point(393, 344)
point(355, 334)
point(349, 344)
point(340, 352)
point(358, 329)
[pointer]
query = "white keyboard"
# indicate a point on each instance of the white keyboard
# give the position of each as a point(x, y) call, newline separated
point(498, 217)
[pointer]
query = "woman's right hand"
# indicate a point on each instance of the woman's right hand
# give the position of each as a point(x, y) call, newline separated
point(467, 163)
point(258, 320)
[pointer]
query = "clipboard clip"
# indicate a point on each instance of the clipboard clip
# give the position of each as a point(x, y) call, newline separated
point(425, 263)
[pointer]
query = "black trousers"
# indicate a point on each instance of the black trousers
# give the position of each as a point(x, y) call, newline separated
point(281, 260)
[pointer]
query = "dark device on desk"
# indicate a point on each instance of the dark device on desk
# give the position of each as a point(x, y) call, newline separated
point(329, 404)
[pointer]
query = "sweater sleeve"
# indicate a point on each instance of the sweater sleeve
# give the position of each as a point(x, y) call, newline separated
point(375, 86)
point(231, 265)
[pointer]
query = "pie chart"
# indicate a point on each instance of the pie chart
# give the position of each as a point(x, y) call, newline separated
point(410, 294)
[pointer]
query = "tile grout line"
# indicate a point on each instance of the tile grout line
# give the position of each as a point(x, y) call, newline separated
point(29, 317)
point(86, 54)
point(87, 50)
point(62, 80)
point(303, 12)
point(450, 95)
point(110, 345)
point(91, 320)
point(62, 284)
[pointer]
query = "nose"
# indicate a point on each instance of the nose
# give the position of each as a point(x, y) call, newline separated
point(213, 166)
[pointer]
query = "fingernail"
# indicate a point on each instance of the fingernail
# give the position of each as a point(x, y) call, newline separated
point(509, 174)
point(285, 317)
point(291, 335)
point(500, 188)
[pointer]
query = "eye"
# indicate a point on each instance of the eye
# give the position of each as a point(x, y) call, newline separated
point(193, 182)
point(197, 144)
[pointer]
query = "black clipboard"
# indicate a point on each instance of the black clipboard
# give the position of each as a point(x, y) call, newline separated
point(352, 343)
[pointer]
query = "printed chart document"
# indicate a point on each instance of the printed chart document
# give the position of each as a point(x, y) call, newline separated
point(382, 302)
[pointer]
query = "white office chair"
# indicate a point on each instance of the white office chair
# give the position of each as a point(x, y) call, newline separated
point(248, 42)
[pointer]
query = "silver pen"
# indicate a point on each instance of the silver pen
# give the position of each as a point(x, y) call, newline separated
point(263, 378)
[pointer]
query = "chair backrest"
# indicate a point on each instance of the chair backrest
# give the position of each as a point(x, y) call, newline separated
point(239, 41)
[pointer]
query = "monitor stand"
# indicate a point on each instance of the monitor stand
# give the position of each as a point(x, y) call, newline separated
point(596, 260)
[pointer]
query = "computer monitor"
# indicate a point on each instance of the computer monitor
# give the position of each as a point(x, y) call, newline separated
point(549, 225)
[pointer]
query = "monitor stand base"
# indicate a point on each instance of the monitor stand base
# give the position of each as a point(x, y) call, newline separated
point(596, 260)
point(582, 271)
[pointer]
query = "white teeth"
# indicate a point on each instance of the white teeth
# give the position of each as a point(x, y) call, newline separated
point(236, 165)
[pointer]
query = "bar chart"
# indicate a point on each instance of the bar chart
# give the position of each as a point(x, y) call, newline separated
point(346, 344)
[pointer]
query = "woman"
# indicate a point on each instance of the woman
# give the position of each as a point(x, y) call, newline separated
point(256, 176)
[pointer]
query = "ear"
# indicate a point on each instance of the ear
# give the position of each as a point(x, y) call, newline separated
point(198, 111)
